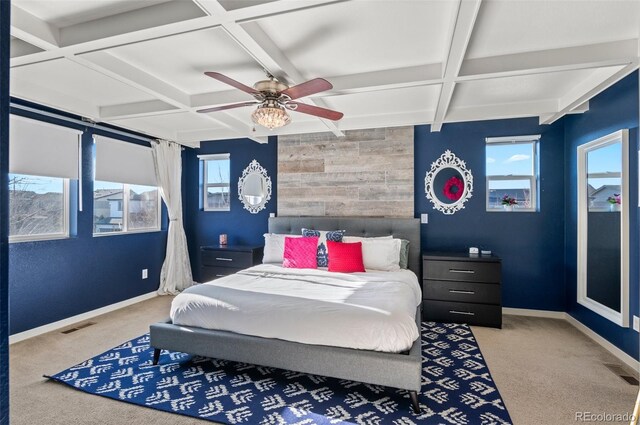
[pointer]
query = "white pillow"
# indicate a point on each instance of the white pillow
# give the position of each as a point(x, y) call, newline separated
point(274, 247)
point(381, 253)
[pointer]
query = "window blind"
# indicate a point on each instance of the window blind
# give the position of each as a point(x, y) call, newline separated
point(41, 149)
point(122, 162)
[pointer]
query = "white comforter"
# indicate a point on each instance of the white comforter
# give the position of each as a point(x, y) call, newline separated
point(369, 311)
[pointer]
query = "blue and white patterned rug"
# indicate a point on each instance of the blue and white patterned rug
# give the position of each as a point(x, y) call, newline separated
point(457, 387)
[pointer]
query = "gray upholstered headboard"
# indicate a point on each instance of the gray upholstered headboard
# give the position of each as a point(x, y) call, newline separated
point(403, 228)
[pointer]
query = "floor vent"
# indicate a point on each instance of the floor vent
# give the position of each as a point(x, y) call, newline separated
point(78, 327)
point(622, 373)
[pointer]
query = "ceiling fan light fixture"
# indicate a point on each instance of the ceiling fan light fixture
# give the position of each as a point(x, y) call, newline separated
point(271, 116)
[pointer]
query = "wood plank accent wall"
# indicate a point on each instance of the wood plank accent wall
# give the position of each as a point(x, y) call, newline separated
point(367, 173)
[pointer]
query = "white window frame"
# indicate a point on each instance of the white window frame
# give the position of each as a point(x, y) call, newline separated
point(533, 140)
point(65, 221)
point(205, 185)
point(125, 215)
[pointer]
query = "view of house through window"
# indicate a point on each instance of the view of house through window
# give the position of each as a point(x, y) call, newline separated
point(604, 173)
point(119, 207)
point(37, 207)
point(511, 169)
point(216, 182)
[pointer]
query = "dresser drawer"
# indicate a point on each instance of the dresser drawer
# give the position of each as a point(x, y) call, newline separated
point(448, 290)
point(467, 271)
point(221, 258)
point(211, 273)
point(453, 312)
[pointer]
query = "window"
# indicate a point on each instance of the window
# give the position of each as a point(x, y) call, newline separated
point(43, 161)
point(119, 207)
point(512, 170)
point(38, 207)
point(604, 177)
point(126, 198)
point(216, 177)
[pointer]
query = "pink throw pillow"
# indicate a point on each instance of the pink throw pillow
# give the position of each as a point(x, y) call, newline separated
point(345, 257)
point(300, 253)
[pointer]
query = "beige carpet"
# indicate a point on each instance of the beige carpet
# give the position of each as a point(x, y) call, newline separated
point(545, 370)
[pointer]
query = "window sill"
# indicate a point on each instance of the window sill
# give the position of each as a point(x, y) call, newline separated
point(38, 238)
point(513, 211)
point(130, 232)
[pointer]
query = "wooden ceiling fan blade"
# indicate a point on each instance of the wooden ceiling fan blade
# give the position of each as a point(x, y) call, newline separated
point(308, 88)
point(230, 81)
point(317, 111)
point(223, 107)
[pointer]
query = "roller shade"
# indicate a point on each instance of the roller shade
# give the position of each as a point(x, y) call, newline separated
point(41, 149)
point(123, 162)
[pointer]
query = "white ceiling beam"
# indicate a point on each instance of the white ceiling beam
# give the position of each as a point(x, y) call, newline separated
point(33, 30)
point(197, 136)
point(413, 76)
point(587, 89)
point(136, 110)
point(252, 39)
point(502, 111)
point(265, 48)
point(465, 21)
point(154, 16)
point(119, 40)
point(343, 84)
point(274, 8)
point(124, 72)
point(553, 60)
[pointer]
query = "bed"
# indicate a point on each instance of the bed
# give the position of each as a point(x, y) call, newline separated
point(361, 361)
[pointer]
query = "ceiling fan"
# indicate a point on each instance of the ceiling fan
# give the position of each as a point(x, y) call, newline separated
point(274, 98)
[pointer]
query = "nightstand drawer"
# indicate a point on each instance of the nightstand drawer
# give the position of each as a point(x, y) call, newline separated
point(453, 312)
point(223, 258)
point(211, 273)
point(468, 271)
point(470, 292)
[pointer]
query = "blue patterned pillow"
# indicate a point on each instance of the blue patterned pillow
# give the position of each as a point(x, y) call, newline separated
point(323, 235)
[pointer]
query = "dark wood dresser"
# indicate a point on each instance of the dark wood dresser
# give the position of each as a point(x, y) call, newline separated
point(462, 288)
point(222, 260)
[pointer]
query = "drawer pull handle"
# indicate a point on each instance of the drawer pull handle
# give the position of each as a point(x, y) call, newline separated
point(461, 271)
point(459, 291)
point(224, 259)
point(219, 275)
point(466, 313)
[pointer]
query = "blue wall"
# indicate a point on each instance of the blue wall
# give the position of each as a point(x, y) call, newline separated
point(612, 110)
point(204, 227)
point(56, 279)
point(531, 244)
point(4, 210)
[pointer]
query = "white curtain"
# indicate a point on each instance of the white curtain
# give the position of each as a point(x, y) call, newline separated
point(176, 270)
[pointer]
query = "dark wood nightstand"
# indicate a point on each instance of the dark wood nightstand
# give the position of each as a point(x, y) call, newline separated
point(462, 288)
point(223, 260)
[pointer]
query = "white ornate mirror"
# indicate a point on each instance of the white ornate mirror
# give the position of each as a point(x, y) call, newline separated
point(448, 184)
point(603, 226)
point(254, 187)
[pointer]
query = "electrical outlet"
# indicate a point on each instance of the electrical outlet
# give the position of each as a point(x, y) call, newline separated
point(145, 273)
point(424, 218)
point(636, 323)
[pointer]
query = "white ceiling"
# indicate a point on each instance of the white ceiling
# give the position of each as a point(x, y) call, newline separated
point(139, 64)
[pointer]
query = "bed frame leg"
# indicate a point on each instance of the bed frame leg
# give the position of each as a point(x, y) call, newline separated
point(156, 356)
point(414, 402)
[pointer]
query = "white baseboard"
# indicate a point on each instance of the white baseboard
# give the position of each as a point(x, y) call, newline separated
point(534, 313)
point(78, 318)
point(618, 353)
point(621, 355)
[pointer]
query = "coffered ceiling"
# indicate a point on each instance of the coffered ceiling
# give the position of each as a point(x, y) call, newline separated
point(139, 64)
